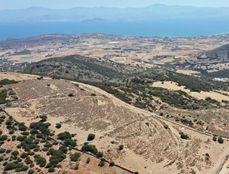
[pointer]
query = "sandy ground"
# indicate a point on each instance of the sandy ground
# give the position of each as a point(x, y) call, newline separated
point(187, 72)
point(135, 51)
point(16, 76)
point(148, 147)
point(198, 95)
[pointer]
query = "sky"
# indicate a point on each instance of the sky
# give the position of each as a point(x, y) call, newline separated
point(60, 4)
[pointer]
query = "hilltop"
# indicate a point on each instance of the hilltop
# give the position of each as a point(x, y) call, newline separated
point(130, 137)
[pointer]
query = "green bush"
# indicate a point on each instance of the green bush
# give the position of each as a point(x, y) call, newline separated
point(3, 96)
point(15, 153)
point(10, 166)
point(99, 155)
point(56, 156)
point(184, 136)
point(31, 171)
point(70, 142)
point(58, 125)
point(2, 150)
point(41, 161)
point(51, 170)
point(111, 164)
point(220, 140)
point(7, 82)
point(22, 127)
point(28, 160)
point(75, 156)
point(88, 160)
point(89, 148)
point(121, 147)
point(91, 137)
point(64, 135)
point(102, 162)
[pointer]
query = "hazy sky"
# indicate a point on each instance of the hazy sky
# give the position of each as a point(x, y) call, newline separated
point(16, 4)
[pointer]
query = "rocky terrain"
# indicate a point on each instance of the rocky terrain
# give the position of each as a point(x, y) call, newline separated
point(135, 139)
point(118, 105)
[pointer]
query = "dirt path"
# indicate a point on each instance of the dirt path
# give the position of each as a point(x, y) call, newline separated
point(221, 165)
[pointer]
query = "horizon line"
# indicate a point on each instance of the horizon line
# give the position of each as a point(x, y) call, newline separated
point(156, 4)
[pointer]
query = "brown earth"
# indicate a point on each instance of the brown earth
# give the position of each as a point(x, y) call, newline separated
point(151, 144)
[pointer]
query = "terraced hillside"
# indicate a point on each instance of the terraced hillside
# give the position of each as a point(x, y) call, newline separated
point(78, 67)
point(128, 136)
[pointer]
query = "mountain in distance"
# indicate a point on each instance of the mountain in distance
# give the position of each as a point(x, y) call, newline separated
point(153, 12)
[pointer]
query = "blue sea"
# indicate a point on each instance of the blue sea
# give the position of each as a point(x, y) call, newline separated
point(170, 28)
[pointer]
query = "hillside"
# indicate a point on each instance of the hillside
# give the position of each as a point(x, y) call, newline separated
point(77, 67)
point(130, 137)
point(130, 84)
point(219, 54)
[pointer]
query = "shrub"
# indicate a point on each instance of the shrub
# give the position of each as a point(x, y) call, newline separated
point(23, 168)
point(88, 160)
point(91, 137)
point(58, 125)
point(43, 118)
point(99, 155)
point(75, 156)
point(89, 148)
point(102, 162)
point(56, 156)
point(40, 160)
point(3, 96)
point(51, 169)
point(2, 150)
point(40, 78)
point(220, 140)
point(23, 155)
point(3, 137)
point(31, 171)
point(15, 153)
point(214, 138)
point(41, 126)
point(7, 82)
point(166, 126)
point(28, 160)
point(64, 135)
point(70, 142)
point(120, 147)
point(10, 166)
point(184, 136)
point(111, 164)
point(71, 95)
point(22, 127)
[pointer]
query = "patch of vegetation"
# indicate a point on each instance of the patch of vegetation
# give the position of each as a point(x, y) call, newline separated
point(66, 138)
point(7, 82)
point(91, 137)
point(56, 157)
point(41, 161)
point(89, 148)
point(120, 147)
point(220, 140)
point(75, 156)
point(102, 162)
point(3, 96)
point(99, 154)
point(184, 136)
point(58, 125)
point(23, 52)
point(179, 99)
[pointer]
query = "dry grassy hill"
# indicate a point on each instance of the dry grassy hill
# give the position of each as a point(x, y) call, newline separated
point(131, 137)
